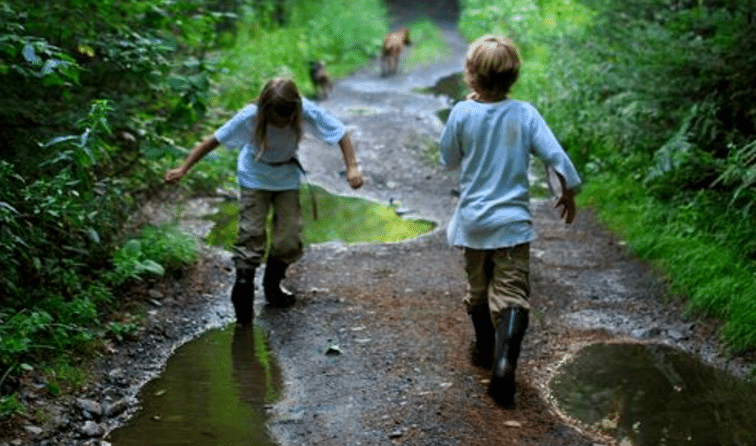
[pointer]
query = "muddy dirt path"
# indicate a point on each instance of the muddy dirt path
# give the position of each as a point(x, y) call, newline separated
point(375, 351)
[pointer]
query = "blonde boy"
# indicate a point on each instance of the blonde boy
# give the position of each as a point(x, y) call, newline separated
point(490, 138)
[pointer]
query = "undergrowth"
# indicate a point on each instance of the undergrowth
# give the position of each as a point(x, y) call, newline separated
point(154, 77)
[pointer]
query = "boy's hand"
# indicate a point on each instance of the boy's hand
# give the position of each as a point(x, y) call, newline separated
point(354, 177)
point(568, 201)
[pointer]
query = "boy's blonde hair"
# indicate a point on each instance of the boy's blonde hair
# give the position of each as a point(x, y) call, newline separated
point(492, 67)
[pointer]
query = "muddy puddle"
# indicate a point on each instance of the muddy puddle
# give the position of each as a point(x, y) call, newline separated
point(653, 394)
point(328, 217)
point(213, 392)
point(451, 86)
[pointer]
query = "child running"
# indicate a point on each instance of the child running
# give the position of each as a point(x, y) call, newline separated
point(490, 138)
point(268, 171)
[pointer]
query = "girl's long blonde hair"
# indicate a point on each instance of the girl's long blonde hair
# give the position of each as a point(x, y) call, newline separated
point(279, 99)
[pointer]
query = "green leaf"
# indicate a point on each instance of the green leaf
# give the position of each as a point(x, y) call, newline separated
point(152, 267)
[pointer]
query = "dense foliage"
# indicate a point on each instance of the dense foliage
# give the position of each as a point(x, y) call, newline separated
point(98, 99)
point(654, 100)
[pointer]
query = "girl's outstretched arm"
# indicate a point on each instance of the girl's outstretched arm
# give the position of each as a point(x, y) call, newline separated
point(199, 151)
point(354, 176)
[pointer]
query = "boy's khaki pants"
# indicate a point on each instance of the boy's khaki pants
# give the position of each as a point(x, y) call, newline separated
point(286, 241)
point(497, 279)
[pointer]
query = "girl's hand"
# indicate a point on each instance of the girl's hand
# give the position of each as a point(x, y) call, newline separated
point(354, 177)
point(173, 175)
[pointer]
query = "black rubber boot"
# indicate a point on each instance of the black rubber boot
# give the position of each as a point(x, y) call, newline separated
point(243, 295)
point(275, 271)
point(509, 334)
point(482, 350)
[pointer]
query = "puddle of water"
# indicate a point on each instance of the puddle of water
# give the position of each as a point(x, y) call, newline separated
point(452, 86)
point(347, 219)
point(656, 395)
point(212, 393)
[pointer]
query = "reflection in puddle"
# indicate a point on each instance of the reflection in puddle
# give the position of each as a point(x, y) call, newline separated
point(346, 219)
point(452, 86)
point(656, 395)
point(212, 393)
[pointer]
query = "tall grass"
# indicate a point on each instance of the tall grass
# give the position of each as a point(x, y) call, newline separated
point(630, 88)
point(428, 44)
point(342, 33)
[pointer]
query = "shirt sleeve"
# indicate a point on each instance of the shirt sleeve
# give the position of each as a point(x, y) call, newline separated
point(328, 128)
point(546, 147)
point(450, 146)
point(240, 129)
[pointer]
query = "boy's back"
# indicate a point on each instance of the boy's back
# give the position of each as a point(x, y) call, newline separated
point(491, 142)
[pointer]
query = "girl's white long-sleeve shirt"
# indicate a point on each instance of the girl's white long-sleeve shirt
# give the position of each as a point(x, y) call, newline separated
point(273, 171)
point(491, 143)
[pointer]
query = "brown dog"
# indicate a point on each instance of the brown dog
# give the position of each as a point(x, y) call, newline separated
point(393, 44)
point(320, 79)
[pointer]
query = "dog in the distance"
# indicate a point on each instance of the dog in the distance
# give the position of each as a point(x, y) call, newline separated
point(393, 44)
point(320, 79)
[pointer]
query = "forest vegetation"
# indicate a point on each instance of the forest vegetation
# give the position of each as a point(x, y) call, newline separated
point(99, 99)
point(653, 99)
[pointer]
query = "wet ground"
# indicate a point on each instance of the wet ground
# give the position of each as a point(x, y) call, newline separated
point(375, 351)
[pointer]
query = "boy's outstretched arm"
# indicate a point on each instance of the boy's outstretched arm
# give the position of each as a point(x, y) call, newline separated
point(197, 153)
point(354, 176)
point(567, 200)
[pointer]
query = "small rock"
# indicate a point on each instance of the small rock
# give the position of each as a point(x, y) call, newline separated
point(396, 434)
point(92, 407)
point(676, 335)
point(34, 430)
point(92, 429)
point(116, 374)
point(512, 423)
point(155, 294)
point(333, 350)
point(646, 333)
point(115, 408)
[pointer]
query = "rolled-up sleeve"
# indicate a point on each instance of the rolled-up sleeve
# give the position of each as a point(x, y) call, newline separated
point(239, 130)
point(328, 128)
point(547, 148)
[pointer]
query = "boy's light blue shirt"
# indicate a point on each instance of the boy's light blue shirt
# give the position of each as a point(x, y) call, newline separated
point(491, 143)
point(273, 171)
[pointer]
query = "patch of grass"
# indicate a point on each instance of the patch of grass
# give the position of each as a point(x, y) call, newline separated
point(712, 278)
point(428, 43)
point(342, 33)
